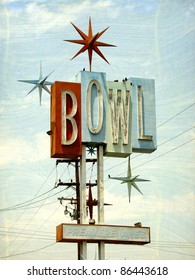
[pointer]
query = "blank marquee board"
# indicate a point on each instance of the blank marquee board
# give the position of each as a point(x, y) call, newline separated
point(107, 233)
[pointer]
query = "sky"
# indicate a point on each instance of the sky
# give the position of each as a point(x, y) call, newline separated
point(155, 40)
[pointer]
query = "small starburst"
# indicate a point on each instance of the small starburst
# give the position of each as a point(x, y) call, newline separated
point(41, 83)
point(91, 150)
point(90, 42)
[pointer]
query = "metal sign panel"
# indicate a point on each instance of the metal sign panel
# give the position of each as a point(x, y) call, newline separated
point(93, 96)
point(118, 119)
point(106, 233)
point(65, 120)
point(143, 115)
point(119, 115)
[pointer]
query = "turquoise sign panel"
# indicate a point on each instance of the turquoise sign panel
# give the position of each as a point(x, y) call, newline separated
point(93, 100)
point(143, 115)
point(118, 119)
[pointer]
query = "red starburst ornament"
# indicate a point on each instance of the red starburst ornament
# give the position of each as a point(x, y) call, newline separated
point(90, 42)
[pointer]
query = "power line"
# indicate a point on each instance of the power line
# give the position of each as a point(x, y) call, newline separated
point(22, 206)
point(27, 208)
point(26, 223)
point(27, 232)
point(175, 136)
point(135, 167)
point(176, 115)
point(166, 153)
point(19, 205)
point(158, 145)
point(20, 215)
point(152, 158)
point(38, 207)
point(169, 251)
point(15, 206)
point(37, 228)
point(9, 208)
point(34, 236)
point(161, 126)
point(28, 252)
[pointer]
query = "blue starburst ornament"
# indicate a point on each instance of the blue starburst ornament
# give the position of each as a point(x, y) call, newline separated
point(41, 83)
point(130, 180)
point(91, 150)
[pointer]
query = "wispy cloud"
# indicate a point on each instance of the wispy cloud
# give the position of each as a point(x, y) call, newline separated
point(19, 16)
point(20, 150)
point(152, 205)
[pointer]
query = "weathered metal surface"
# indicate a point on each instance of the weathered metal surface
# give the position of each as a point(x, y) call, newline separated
point(93, 92)
point(118, 119)
point(143, 115)
point(83, 205)
point(105, 233)
point(65, 120)
point(100, 185)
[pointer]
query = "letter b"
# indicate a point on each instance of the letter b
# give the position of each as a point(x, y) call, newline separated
point(69, 134)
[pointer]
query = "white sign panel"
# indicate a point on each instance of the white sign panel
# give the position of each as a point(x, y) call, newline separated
point(106, 233)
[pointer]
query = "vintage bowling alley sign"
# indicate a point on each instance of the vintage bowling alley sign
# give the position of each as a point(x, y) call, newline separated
point(119, 115)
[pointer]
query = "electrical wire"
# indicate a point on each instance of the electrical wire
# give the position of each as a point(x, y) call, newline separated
point(27, 252)
point(109, 168)
point(187, 142)
point(169, 150)
point(20, 215)
point(176, 115)
point(154, 158)
point(27, 235)
point(40, 206)
point(169, 251)
point(28, 208)
point(32, 216)
point(117, 165)
point(160, 125)
point(27, 231)
point(22, 206)
point(37, 229)
point(158, 157)
point(35, 212)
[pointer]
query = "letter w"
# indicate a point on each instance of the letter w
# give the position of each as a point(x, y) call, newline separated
point(119, 114)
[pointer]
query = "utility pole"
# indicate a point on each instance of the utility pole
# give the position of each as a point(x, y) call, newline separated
point(83, 188)
point(100, 183)
point(81, 193)
point(78, 203)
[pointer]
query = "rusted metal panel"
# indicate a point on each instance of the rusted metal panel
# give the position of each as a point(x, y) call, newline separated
point(65, 120)
point(103, 233)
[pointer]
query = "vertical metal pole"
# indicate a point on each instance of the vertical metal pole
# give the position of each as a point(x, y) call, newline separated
point(78, 201)
point(83, 188)
point(100, 183)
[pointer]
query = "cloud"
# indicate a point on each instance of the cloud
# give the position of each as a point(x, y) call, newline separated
point(41, 17)
point(23, 151)
point(142, 207)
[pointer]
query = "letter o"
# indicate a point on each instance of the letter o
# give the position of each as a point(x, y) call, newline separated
point(94, 130)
